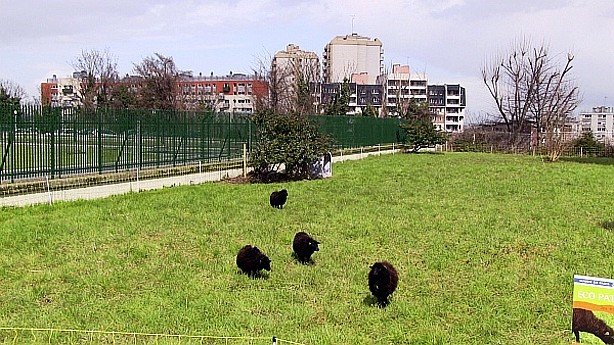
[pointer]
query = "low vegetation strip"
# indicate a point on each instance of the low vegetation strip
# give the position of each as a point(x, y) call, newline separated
point(485, 246)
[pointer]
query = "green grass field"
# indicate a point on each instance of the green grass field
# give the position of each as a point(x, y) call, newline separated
point(486, 247)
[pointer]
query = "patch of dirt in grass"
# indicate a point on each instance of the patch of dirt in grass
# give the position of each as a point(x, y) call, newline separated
point(239, 180)
point(44, 300)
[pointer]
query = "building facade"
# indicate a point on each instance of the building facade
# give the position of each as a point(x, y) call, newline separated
point(601, 122)
point(62, 92)
point(231, 93)
point(447, 102)
point(403, 87)
point(290, 68)
point(361, 97)
point(352, 54)
point(234, 92)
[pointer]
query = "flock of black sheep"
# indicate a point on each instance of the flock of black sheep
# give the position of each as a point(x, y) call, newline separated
point(383, 277)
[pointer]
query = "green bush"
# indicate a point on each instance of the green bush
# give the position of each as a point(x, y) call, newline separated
point(589, 145)
point(419, 129)
point(288, 140)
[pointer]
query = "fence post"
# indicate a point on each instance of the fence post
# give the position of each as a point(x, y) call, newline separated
point(49, 190)
point(140, 143)
point(244, 159)
point(580, 151)
point(12, 140)
point(52, 149)
point(99, 141)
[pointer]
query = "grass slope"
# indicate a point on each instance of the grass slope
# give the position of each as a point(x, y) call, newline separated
point(486, 246)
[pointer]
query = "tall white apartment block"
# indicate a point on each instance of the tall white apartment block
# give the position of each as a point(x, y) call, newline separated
point(447, 102)
point(601, 122)
point(402, 86)
point(292, 66)
point(353, 54)
point(294, 61)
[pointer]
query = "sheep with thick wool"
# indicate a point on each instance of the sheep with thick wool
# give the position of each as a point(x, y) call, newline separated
point(304, 246)
point(251, 260)
point(586, 321)
point(383, 280)
point(278, 198)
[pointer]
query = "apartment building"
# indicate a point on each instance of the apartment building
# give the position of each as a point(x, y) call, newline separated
point(352, 54)
point(62, 92)
point(601, 122)
point(291, 67)
point(447, 102)
point(234, 92)
point(401, 87)
point(361, 97)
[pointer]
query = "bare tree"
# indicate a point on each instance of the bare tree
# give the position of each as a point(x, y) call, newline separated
point(276, 78)
point(556, 96)
point(306, 74)
point(512, 84)
point(531, 92)
point(291, 82)
point(98, 74)
point(11, 93)
point(159, 82)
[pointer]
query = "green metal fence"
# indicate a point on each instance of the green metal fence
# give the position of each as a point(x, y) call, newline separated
point(55, 142)
point(357, 131)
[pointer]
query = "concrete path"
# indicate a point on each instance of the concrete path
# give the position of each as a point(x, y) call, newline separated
point(103, 191)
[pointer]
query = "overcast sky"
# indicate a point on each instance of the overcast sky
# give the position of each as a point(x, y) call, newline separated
point(447, 39)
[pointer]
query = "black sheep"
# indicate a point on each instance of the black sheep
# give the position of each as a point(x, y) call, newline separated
point(304, 246)
point(585, 321)
point(278, 199)
point(251, 260)
point(383, 280)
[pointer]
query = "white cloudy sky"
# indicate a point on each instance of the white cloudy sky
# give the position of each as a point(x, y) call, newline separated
point(449, 39)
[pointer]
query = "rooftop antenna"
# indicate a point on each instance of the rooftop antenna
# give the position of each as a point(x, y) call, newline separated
point(353, 17)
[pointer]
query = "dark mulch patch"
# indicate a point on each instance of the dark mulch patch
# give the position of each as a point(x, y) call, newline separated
point(272, 177)
point(608, 225)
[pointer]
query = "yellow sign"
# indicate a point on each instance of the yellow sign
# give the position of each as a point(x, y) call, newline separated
point(593, 309)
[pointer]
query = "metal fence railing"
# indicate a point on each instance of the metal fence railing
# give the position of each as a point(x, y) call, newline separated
point(55, 143)
point(501, 142)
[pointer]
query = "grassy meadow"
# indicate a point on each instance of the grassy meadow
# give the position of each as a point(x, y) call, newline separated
point(486, 247)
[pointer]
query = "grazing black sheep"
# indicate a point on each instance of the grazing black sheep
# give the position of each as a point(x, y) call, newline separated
point(585, 321)
point(278, 199)
point(383, 280)
point(304, 246)
point(251, 260)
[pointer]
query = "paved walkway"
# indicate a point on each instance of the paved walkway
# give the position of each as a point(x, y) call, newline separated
point(103, 191)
